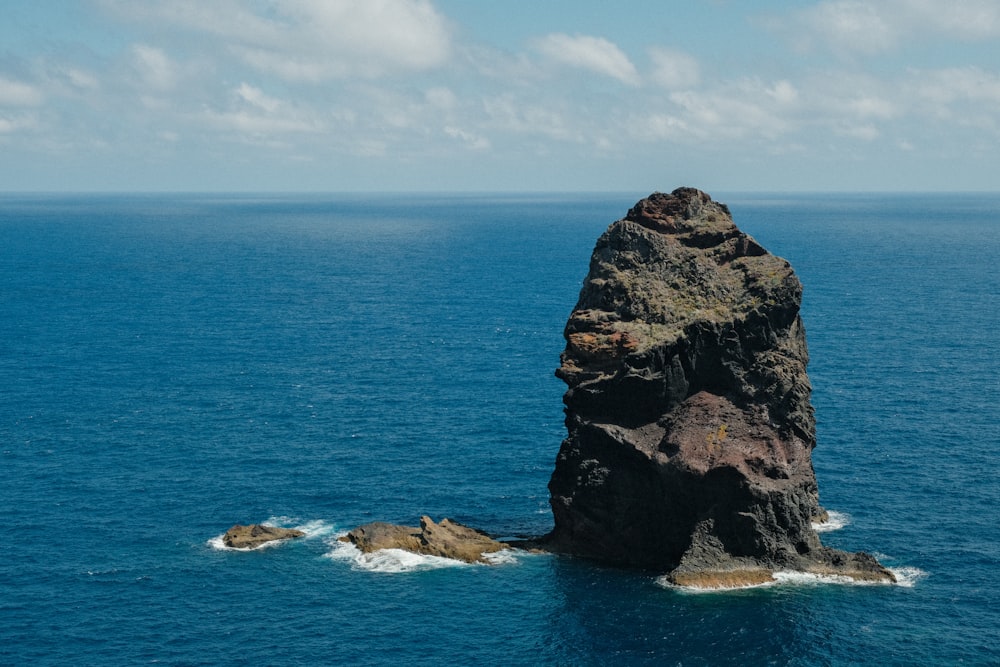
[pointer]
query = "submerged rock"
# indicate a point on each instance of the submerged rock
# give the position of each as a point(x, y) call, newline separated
point(447, 539)
point(249, 537)
point(690, 428)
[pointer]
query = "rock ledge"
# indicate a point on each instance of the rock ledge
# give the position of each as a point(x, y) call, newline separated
point(447, 539)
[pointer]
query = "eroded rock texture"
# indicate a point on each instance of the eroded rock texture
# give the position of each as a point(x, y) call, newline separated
point(690, 429)
point(447, 539)
point(255, 535)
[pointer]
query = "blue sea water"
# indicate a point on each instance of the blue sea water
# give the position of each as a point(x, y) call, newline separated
point(173, 364)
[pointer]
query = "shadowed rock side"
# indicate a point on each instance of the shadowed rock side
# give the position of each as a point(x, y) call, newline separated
point(447, 539)
point(689, 423)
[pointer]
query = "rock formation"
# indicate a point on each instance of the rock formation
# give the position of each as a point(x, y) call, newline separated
point(447, 539)
point(250, 537)
point(690, 429)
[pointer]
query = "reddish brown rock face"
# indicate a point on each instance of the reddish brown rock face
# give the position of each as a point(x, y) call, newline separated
point(690, 429)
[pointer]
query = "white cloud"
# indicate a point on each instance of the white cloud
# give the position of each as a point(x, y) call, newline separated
point(15, 123)
point(674, 69)
point(870, 106)
point(962, 19)
point(848, 94)
point(590, 53)
point(959, 96)
point(256, 114)
point(18, 94)
point(775, 115)
point(848, 27)
point(311, 40)
point(81, 79)
point(747, 108)
point(328, 80)
point(863, 131)
point(470, 139)
point(154, 67)
point(660, 127)
point(867, 27)
point(256, 97)
point(958, 84)
point(783, 93)
point(248, 122)
point(405, 34)
point(509, 114)
point(441, 98)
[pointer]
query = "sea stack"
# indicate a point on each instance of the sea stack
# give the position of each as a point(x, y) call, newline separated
point(690, 428)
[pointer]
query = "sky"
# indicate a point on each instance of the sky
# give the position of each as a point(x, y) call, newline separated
point(511, 95)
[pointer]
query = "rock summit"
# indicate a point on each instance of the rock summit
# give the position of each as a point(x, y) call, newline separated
point(690, 428)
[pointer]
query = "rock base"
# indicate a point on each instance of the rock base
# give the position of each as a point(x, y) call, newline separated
point(721, 579)
point(726, 573)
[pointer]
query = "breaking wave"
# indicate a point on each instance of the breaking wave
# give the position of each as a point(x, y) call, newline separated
point(394, 561)
point(386, 560)
point(906, 577)
point(834, 521)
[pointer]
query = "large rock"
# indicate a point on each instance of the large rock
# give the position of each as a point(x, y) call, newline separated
point(690, 429)
point(254, 535)
point(447, 539)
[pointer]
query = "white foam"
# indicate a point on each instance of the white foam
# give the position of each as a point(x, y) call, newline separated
point(387, 560)
point(793, 578)
point(217, 543)
point(666, 583)
point(312, 529)
point(906, 577)
point(505, 557)
point(835, 521)
point(399, 560)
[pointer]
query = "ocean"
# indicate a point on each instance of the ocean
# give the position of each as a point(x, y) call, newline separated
point(172, 365)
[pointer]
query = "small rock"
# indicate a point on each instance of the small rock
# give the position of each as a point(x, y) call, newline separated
point(252, 536)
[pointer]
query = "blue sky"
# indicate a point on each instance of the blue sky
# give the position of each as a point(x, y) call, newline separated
point(463, 95)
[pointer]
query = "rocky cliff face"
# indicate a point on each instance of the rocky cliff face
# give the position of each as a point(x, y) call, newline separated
point(690, 426)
